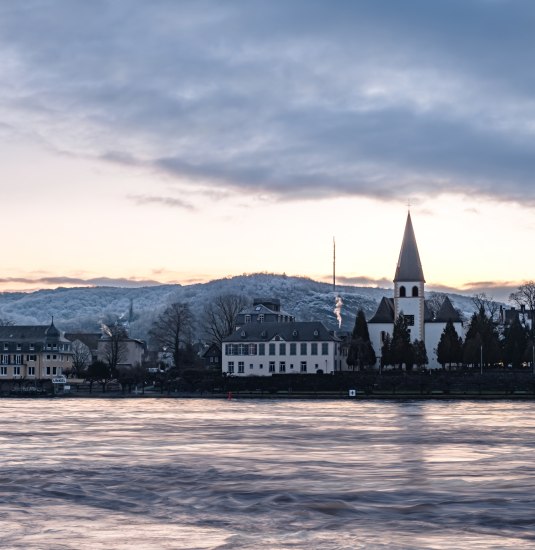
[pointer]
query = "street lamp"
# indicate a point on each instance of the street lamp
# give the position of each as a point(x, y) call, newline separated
point(481, 358)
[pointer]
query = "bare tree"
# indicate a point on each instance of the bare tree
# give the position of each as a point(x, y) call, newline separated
point(81, 357)
point(524, 298)
point(435, 301)
point(115, 349)
point(5, 322)
point(220, 316)
point(486, 303)
point(172, 329)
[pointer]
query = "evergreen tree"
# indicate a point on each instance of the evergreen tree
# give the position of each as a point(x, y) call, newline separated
point(386, 356)
point(450, 346)
point(481, 339)
point(419, 353)
point(401, 350)
point(361, 353)
point(515, 344)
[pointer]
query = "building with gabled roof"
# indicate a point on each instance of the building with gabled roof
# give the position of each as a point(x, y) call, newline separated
point(33, 352)
point(409, 300)
point(263, 349)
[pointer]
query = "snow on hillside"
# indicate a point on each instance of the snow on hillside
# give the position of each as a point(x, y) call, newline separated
point(84, 308)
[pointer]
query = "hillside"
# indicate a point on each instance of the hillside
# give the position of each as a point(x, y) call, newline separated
point(85, 308)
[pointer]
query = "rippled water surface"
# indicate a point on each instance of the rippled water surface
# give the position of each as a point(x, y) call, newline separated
point(169, 473)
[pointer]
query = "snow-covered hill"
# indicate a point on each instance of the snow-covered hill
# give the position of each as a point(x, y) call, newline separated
point(84, 308)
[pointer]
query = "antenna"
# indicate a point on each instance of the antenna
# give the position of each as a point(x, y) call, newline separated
point(334, 265)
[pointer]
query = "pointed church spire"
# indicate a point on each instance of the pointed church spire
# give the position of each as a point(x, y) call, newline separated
point(409, 268)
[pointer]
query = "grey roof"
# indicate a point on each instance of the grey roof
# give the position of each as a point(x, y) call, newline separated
point(261, 308)
point(409, 267)
point(90, 339)
point(447, 312)
point(29, 333)
point(385, 312)
point(300, 331)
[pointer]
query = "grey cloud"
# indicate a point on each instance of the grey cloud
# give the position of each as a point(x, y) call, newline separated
point(80, 281)
point(301, 99)
point(165, 201)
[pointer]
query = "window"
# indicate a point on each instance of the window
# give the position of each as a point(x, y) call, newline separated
point(5, 359)
point(314, 349)
point(409, 319)
point(271, 349)
point(48, 357)
point(6, 347)
point(18, 359)
point(48, 346)
point(16, 371)
point(31, 371)
point(402, 292)
point(55, 346)
point(325, 348)
point(48, 370)
point(216, 359)
point(415, 292)
point(304, 348)
point(272, 366)
point(260, 318)
point(3, 371)
point(230, 367)
point(293, 349)
point(247, 319)
point(241, 367)
point(291, 366)
point(19, 347)
point(54, 370)
point(212, 359)
point(242, 349)
point(230, 349)
point(261, 349)
point(32, 347)
point(251, 366)
point(252, 349)
point(282, 349)
point(282, 366)
point(54, 357)
point(303, 367)
point(261, 366)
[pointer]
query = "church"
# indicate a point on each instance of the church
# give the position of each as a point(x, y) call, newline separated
point(409, 300)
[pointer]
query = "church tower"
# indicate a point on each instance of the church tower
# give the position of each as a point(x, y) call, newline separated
point(409, 284)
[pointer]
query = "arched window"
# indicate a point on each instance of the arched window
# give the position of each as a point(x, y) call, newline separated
point(415, 292)
point(402, 292)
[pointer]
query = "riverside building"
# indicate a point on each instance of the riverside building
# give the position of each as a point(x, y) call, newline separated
point(29, 352)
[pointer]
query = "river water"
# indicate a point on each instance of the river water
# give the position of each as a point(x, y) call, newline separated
point(172, 473)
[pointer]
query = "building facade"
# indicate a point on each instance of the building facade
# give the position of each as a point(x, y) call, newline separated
point(409, 301)
point(38, 352)
point(264, 349)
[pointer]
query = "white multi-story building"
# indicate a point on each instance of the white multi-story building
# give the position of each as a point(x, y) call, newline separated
point(263, 349)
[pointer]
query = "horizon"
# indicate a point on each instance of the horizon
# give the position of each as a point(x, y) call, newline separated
point(499, 294)
point(185, 142)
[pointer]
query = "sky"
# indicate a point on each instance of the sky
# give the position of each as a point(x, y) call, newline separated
point(182, 141)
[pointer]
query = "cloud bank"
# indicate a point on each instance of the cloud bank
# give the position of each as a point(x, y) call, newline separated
point(302, 99)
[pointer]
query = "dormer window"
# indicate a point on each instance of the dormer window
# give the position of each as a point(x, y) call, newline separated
point(294, 334)
point(316, 333)
point(242, 334)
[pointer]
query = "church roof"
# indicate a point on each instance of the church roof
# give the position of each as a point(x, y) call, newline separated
point(385, 312)
point(447, 312)
point(409, 267)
